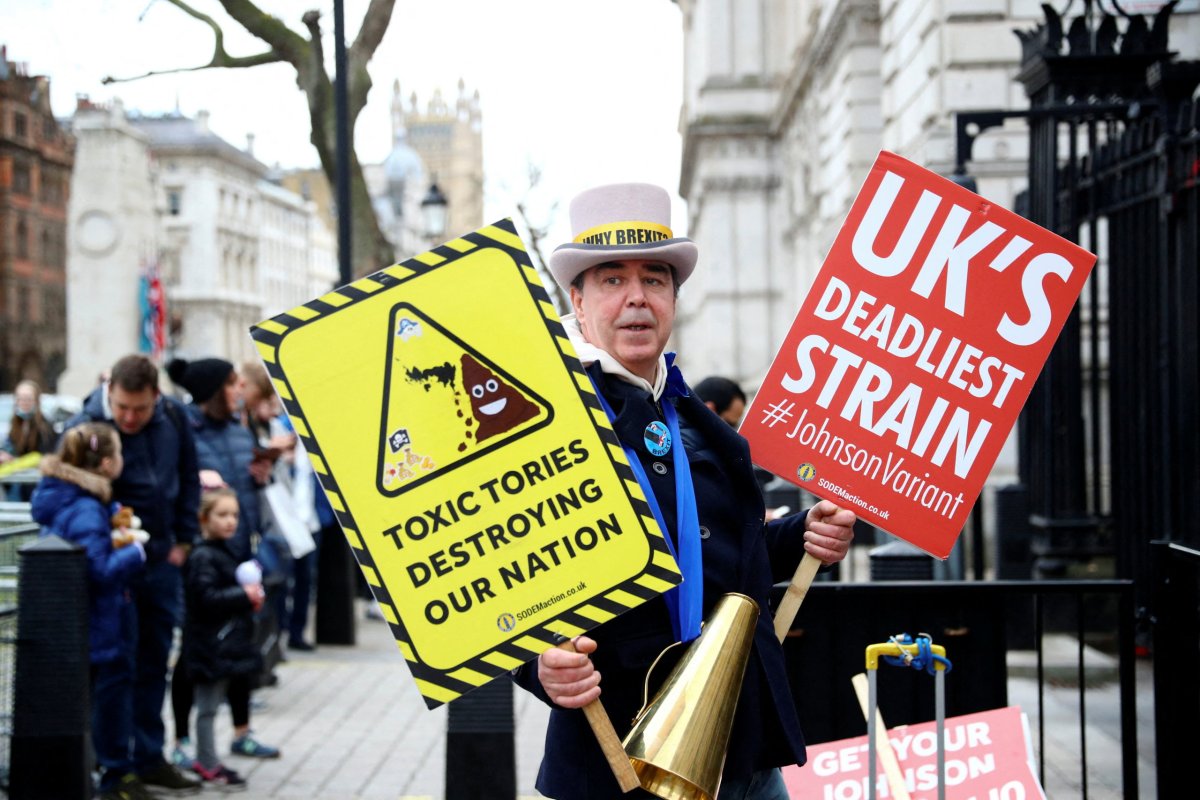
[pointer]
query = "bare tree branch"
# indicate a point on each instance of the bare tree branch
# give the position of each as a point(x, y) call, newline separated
point(307, 57)
point(538, 233)
point(374, 25)
point(312, 23)
point(267, 27)
point(232, 62)
point(220, 57)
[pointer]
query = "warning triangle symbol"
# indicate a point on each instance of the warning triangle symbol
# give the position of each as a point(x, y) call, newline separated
point(445, 403)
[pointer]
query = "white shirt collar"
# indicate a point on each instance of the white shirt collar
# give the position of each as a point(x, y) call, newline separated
point(591, 354)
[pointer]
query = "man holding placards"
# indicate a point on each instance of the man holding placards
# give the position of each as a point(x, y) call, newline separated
point(623, 272)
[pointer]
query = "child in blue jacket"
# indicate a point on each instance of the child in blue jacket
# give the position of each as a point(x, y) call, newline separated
point(73, 501)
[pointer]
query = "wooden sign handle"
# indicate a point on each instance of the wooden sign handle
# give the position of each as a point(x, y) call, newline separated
point(785, 615)
point(606, 735)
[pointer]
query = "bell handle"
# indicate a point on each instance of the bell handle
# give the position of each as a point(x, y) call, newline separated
point(785, 615)
point(606, 735)
point(886, 755)
point(646, 688)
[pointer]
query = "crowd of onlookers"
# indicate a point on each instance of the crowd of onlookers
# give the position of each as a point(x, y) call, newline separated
point(199, 514)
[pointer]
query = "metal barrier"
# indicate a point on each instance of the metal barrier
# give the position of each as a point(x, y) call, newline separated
point(12, 539)
point(975, 620)
point(8, 655)
point(1176, 610)
point(16, 531)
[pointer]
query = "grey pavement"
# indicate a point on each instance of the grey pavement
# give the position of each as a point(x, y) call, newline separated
point(1099, 748)
point(352, 726)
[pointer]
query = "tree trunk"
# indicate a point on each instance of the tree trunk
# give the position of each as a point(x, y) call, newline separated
point(370, 250)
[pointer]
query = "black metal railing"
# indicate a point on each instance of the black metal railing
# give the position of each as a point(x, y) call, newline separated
point(16, 531)
point(1176, 615)
point(8, 656)
point(12, 538)
point(981, 624)
point(1108, 440)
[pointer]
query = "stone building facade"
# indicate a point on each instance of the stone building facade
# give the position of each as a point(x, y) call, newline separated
point(36, 156)
point(210, 253)
point(436, 142)
point(297, 258)
point(449, 140)
point(114, 236)
point(786, 105)
point(232, 247)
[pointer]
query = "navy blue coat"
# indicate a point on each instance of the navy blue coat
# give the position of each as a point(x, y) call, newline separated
point(64, 507)
point(159, 480)
point(218, 634)
point(228, 447)
point(740, 553)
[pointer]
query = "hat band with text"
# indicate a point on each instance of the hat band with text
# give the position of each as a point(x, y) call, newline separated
point(621, 233)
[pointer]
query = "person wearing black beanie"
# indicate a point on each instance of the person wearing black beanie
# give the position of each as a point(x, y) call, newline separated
point(201, 378)
point(227, 453)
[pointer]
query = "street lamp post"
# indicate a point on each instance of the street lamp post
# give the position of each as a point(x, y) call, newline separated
point(336, 564)
point(433, 212)
point(480, 742)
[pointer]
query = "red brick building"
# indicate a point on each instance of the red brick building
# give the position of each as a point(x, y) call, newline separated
point(36, 156)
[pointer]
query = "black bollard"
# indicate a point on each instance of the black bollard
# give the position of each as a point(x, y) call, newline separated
point(1014, 534)
point(51, 753)
point(336, 570)
point(480, 751)
point(900, 561)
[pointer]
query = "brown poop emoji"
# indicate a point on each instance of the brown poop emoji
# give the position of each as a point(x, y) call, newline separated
point(497, 406)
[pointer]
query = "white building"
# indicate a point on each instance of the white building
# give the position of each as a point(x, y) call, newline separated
point(113, 233)
point(396, 187)
point(322, 255)
point(297, 258)
point(233, 248)
point(210, 256)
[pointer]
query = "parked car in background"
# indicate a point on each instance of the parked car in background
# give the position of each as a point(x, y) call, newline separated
point(56, 408)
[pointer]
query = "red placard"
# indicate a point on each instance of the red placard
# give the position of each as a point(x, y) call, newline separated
point(913, 353)
point(988, 757)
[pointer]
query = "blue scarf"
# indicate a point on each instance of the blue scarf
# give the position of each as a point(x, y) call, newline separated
point(685, 602)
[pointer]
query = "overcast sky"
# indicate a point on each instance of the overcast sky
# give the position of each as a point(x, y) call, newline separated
point(589, 90)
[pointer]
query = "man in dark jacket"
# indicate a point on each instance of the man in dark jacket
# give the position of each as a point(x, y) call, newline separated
point(697, 471)
point(160, 483)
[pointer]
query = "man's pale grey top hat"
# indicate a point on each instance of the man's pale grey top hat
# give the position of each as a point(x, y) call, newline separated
point(618, 222)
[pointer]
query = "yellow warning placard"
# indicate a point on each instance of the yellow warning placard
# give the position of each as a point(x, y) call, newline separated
point(468, 459)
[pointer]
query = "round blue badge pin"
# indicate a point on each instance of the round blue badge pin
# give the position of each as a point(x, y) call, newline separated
point(657, 438)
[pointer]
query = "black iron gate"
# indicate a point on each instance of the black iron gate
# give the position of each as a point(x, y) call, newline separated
point(1109, 442)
